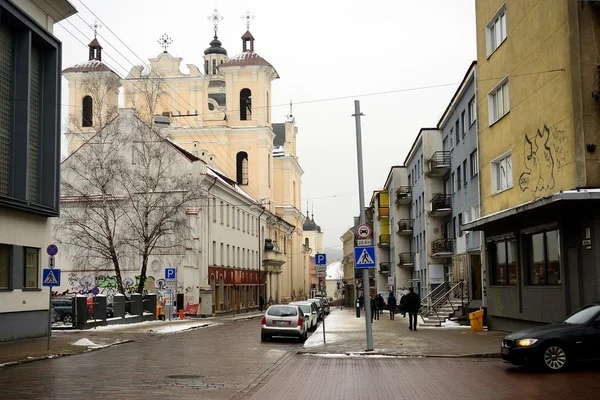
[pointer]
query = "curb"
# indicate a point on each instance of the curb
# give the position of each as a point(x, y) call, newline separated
point(364, 353)
point(66, 354)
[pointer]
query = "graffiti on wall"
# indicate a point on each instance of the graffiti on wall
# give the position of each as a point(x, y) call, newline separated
point(544, 155)
point(103, 284)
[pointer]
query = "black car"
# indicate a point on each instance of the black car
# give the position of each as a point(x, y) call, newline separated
point(555, 346)
point(63, 309)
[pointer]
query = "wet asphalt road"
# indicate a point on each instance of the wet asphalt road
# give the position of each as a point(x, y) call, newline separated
point(229, 361)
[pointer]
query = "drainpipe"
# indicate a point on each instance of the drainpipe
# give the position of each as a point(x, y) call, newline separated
point(259, 256)
point(208, 231)
point(291, 271)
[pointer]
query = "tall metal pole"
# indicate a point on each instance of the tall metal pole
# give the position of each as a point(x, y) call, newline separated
point(361, 200)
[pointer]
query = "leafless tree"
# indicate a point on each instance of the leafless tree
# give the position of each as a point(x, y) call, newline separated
point(151, 89)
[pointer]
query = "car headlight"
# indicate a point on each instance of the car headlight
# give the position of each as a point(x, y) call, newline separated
point(525, 342)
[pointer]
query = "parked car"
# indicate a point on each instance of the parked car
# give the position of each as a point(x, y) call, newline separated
point(324, 304)
point(320, 308)
point(309, 308)
point(63, 309)
point(284, 320)
point(556, 346)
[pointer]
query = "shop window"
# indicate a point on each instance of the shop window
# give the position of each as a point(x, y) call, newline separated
point(543, 256)
point(503, 255)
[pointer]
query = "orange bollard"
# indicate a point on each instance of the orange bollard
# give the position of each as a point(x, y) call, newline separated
point(181, 314)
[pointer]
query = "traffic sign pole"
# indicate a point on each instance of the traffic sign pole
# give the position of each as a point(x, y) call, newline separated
point(363, 219)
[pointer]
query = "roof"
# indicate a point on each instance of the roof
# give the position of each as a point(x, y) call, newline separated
point(89, 66)
point(224, 179)
point(279, 130)
point(310, 224)
point(247, 58)
point(568, 195)
point(459, 91)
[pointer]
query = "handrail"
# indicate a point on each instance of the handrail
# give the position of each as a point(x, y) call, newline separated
point(443, 298)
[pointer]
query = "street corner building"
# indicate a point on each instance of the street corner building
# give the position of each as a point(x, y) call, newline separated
point(539, 166)
point(30, 60)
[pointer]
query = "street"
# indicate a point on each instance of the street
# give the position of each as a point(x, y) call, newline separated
point(228, 361)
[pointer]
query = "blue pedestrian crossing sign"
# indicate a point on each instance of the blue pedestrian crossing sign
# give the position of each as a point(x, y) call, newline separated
point(51, 277)
point(364, 257)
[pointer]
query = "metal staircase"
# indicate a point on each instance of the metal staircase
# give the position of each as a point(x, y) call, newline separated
point(444, 302)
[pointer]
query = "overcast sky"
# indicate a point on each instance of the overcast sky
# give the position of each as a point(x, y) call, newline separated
point(322, 50)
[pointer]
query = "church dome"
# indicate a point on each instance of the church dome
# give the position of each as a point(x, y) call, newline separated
point(215, 47)
point(310, 224)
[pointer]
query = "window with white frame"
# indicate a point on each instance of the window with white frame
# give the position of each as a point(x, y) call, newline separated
point(472, 111)
point(502, 173)
point(495, 30)
point(474, 164)
point(498, 101)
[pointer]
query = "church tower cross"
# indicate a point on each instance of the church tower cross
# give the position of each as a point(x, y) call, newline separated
point(95, 26)
point(165, 41)
point(215, 18)
point(248, 17)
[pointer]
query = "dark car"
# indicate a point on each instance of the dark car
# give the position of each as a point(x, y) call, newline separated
point(63, 309)
point(555, 346)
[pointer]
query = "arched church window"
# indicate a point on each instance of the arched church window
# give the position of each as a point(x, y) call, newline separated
point(307, 243)
point(206, 67)
point(87, 113)
point(214, 65)
point(242, 168)
point(245, 104)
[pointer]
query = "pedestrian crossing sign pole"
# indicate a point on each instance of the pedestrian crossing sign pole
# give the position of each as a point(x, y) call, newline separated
point(50, 278)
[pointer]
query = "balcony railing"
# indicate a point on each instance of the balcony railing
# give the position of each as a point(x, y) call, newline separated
point(384, 240)
point(406, 259)
point(441, 205)
point(442, 248)
point(405, 227)
point(404, 195)
point(439, 163)
point(384, 268)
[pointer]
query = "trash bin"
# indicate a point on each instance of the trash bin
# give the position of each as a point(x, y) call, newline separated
point(182, 315)
point(476, 319)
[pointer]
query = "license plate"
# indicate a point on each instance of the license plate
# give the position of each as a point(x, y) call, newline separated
point(505, 350)
point(282, 322)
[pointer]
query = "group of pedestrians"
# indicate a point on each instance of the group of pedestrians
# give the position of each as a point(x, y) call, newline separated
point(410, 302)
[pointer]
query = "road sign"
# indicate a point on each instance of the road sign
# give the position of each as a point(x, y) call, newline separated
point(320, 259)
point(51, 277)
point(364, 257)
point(170, 273)
point(390, 280)
point(364, 242)
point(363, 231)
point(52, 250)
point(50, 261)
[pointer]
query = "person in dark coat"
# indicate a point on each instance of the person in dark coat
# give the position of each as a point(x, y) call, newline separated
point(261, 303)
point(392, 305)
point(374, 311)
point(412, 303)
point(380, 303)
point(361, 302)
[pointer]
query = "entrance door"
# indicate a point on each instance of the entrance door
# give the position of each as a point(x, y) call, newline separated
point(476, 292)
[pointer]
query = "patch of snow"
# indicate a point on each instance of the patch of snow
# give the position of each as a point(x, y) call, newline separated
point(84, 342)
point(354, 355)
point(335, 271)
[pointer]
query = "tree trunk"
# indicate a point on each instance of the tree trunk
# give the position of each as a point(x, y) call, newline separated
point(140, 288)
point(117, 266)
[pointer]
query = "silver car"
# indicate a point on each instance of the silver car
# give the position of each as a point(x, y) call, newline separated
point(284, 320)
point(309, 308)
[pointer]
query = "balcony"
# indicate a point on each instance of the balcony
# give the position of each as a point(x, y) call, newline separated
point(405, 227)
point(273, 258)
point(384, 240)
point(384, 268)
point(442, 248)
point(441, 205)
point(439, 164)
point(404, 195)
point(406, 260)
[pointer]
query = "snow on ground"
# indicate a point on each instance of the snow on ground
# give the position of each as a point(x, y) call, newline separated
point(160, 327)
point(354, 355)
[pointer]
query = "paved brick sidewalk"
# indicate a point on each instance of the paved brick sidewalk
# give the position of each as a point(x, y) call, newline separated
point(344, 334)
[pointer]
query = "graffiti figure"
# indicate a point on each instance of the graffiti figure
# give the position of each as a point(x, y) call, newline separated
point(539, 163)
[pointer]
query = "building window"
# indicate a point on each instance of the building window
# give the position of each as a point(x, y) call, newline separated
point(228, 221)
point(495, 30)
point(233, 217)
point(543, 251)
point(4, 266)
point(457, 131)
point(474, 164)
point(464, 166)
point(222, 211)
point(214, 66)
point(458, 178)
point(214, 255)
point(502, 173)
point(222, 256)
point(32, 267)
point(238, 220)
point(29, 114)
point(245, 105)
point(242, 168)
point(503, 255)
point(228, 264)
point(460, 222)
point(214, 209)
point(452, 182)
point(472, 111)
point(498, 101)
point(463, 119)
point(451, 137)
point(87, 113)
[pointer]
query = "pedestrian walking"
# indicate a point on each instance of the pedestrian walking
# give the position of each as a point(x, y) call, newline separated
point(380, 303)
point(261, 303)
point(413, 303)
point(392, 305)
point(373, 309)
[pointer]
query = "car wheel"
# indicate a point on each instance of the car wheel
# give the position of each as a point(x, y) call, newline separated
point(68, 319)
point(555, 357)
point(263, 337)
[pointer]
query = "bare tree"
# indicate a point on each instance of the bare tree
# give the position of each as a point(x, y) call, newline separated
point(151, 89)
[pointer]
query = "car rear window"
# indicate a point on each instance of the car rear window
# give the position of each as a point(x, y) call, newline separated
point(282, 311)
point(305, 308)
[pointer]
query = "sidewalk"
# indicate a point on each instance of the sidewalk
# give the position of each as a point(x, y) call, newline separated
point(345, 335)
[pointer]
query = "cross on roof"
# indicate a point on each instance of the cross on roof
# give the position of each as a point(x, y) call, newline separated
point(215, 18)
point(248, 16)
point(95, 26)
point(165, 41)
